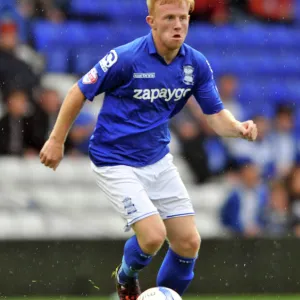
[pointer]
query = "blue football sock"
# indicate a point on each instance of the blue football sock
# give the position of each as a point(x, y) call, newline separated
point(134, 260)
point(176, 272)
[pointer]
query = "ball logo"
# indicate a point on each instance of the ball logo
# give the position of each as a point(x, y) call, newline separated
point(91, 77)
point(188, 75)
point(159, 292)
point(108, 61)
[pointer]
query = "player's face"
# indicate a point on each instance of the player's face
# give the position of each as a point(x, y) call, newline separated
point(170, 24)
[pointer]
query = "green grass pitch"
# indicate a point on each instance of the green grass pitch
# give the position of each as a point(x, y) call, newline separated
point(204, 297)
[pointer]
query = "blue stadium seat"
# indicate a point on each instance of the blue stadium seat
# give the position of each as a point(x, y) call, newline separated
point(70, 34)
point(271, 37)
point(259, 64)
point(97, 33)
point(125, 34)
point(222, 38)
point(85, 57)
point(290, 65)
point(280, 36)
point(200, 34)
point(91, 7)
point(47, 34)
point(250, 36)
point(225, 37)
point(293, 91)
point(126, 9)
point(58, 59)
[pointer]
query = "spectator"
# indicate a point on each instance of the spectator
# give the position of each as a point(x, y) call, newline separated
point(14, 72)
point(228, 84)
point(81, 132)
point(261, 152)
point(14, 136)
point(214, 149)
point(293, 184)
point(191, 140)
point(215, 11)
point(52, 10)
point(283, 140)
point(277, 215)
point(273, 10)
point(41, 122)
point(242, 212)
point(11, 42)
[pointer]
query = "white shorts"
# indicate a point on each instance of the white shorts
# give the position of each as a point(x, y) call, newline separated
point(137, 193)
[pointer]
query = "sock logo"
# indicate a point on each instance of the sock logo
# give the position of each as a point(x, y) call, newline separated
point(185, 261)
point(145, 255)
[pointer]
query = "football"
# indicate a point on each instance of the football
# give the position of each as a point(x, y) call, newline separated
point(159, 293)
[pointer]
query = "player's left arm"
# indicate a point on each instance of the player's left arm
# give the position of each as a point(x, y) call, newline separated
point(219, 119)
point(225, 124)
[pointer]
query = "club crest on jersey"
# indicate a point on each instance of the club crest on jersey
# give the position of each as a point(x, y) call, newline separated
point(91, 77)
point(188, 75)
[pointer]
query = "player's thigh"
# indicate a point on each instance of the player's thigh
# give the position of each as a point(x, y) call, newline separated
point(125, 192)
point(168, 184)
point(169, 193)
point(183, 235)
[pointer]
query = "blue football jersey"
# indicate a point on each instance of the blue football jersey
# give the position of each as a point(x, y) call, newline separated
point(142, 92)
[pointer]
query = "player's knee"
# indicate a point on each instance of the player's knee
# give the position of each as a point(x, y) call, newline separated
point(189, 245)
point(195, 243)
point(152, 241)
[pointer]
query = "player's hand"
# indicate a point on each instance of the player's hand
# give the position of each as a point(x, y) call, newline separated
point(52, 153)
point(248, 130)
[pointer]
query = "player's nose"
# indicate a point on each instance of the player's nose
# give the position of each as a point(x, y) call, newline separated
point(177, 24)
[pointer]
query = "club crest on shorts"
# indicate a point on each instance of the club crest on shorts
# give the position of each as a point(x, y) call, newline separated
point(188, 75)
point(129, 206)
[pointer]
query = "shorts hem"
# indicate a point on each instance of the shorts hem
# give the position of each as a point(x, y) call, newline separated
point(178, 215)
point(128, 225)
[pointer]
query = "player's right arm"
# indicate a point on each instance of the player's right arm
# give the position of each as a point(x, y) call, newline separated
point(109, 73)
point(53, 150)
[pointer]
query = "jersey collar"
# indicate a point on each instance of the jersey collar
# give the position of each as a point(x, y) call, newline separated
point(152, 48)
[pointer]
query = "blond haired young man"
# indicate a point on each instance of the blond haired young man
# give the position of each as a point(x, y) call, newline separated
point(146, 83)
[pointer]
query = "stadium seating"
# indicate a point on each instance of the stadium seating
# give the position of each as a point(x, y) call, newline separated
point(257, 54)
point(110, 9)
point(69, 203)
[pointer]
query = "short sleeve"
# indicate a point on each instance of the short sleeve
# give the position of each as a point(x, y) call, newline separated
point(205, 90)
point(108, 74)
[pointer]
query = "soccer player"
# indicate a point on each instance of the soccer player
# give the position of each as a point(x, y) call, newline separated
point(147, 82)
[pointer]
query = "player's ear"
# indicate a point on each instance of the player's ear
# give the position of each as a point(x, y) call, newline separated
point(150, 21)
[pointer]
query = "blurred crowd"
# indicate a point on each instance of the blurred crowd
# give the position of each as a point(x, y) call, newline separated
point(265, 175)
point(28, 110)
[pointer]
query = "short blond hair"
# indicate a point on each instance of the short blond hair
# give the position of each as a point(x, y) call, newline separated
point(151, 3)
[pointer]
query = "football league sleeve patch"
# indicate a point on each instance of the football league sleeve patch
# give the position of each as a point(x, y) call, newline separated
point(104, 76)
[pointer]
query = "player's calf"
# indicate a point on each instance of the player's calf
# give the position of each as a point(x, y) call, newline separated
point(177, 269)
point(140, 248)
